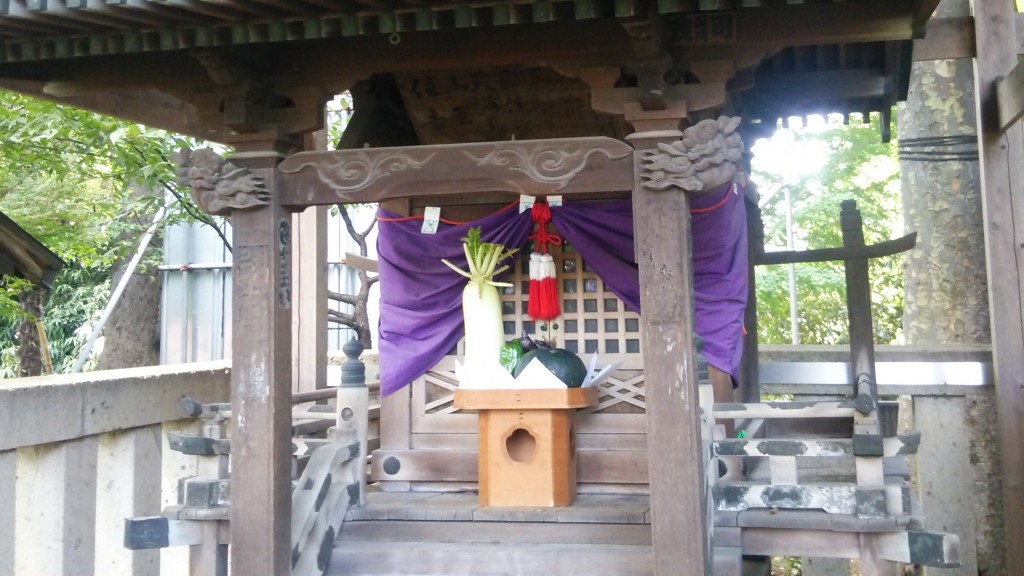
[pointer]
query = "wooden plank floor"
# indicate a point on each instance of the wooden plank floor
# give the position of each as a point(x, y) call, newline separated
point(450, 534)
point(463, 506)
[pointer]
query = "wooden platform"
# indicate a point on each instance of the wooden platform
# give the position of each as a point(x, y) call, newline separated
point(464, 507)
point(421, 534)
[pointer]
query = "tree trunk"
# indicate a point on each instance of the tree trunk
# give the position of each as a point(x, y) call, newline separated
point(946, 288)
point(942, 201)
point(30, 357)
point(131, 337)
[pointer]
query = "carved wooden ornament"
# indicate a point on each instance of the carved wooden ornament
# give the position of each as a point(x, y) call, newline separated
point(218, 186)
point(534, 167)
point(702, 160)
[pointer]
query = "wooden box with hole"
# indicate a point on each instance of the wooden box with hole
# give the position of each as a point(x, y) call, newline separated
point(527, 454)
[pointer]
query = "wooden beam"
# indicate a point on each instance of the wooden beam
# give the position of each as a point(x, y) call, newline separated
point(261, 379)
point(1010, 95)
point(885, 248)
point(150, 106)
point(535, 167)
point(946, 38)
point(826, 23)
point(679, 506)
point(823, 85)
point(1002, 181)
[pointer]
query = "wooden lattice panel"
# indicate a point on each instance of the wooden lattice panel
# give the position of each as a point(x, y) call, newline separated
point(593, 319)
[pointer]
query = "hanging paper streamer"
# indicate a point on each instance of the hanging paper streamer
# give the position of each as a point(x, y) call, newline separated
point(543, 300)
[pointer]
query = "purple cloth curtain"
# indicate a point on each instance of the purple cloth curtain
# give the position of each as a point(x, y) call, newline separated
point(420, 297)
point(602, 233)
point(718, 222)
point(421, 314)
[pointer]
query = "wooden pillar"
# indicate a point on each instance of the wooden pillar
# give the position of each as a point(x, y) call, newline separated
point(309, 271)
point(750, 387)
point(662, 233)
point(1002, 170)
point(309, 317)
point(261, 377)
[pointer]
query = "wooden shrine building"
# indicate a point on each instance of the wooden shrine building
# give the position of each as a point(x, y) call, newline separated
point(466, 106)
point(24, 256)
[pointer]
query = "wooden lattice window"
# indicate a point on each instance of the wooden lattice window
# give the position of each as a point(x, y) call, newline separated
point(593, 318)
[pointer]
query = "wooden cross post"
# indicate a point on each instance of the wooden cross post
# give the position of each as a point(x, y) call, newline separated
point(662, 236)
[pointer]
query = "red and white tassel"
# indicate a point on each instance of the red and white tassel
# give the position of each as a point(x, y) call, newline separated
point(543, 300)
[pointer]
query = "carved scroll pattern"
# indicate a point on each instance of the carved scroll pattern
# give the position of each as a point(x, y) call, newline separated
point(705, 158)
point(553, 166)
point(218, 186)
point(357, 170)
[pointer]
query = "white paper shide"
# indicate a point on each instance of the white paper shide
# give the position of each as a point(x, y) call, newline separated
point(536, 376)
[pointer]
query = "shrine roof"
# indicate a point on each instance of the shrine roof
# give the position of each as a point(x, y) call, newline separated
point(23, 255)
point(53, 29)
point(173, 63)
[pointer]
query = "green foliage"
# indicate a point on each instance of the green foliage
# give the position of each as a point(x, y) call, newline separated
point(69, 178)
point(339, 112)
point(858, 166)
point(786, 566)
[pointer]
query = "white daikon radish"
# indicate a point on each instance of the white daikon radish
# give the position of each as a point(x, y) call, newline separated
point(481, 306)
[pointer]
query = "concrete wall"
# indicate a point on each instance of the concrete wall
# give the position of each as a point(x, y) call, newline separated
point(79, 453)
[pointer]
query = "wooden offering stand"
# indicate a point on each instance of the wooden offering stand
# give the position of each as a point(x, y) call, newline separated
point(527, 453)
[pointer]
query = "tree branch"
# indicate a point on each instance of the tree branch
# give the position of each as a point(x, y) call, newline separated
point(199, 216)
point(341, 318)
point(343, 298)
point(369, 228)
point(359, 238)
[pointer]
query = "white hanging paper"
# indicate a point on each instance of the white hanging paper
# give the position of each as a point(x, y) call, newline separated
point(554, 201)
point(526, 202)
point(594, 376)
point(431, 218)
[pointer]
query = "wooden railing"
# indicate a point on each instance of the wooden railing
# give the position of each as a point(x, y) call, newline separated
point(332, 431)
point(947, 392)
point(79, 453)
